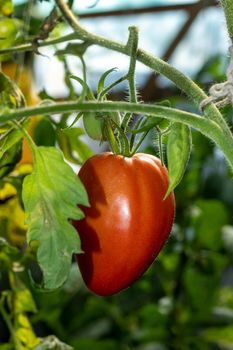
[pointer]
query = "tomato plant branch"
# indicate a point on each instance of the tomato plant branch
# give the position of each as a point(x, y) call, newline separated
point(111, 86)
point(133, 47)
point(221, 136)
point(173, 114)
point(228, 11)
point(8, 322)
point(160, 143)
point(31, 47)
point(183, 82)
point(26, 135)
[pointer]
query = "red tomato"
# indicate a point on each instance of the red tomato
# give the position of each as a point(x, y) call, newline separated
point(128, 221)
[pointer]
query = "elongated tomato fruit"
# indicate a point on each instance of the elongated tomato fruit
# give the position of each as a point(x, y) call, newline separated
point(127, 222)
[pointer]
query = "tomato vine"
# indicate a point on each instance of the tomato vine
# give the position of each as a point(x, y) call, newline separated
point(124, 124)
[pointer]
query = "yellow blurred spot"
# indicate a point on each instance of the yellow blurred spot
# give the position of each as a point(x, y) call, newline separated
point(26, 85)
point(7, 191)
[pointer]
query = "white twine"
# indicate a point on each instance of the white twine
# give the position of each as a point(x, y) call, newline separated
point(222, 93)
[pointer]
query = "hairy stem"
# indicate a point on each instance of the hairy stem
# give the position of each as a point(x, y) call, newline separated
point(228, 11)
point(181, 81)
point(133, 47)
point(223, 138)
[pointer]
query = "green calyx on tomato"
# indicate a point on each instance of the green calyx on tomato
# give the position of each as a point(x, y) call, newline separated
point(95, 124)
point(128, 221)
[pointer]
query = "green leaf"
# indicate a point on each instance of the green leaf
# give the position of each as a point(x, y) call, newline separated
point(52, 343)
point(179, 145)
point(9, 141)
point(10, 158)
point(44, 133)
point(150, 123)
point(74, 149)
point(11, 95)
point(51, 194)
point(23, 301)
point(76, 49)
point(88, 92)
point(102, 79)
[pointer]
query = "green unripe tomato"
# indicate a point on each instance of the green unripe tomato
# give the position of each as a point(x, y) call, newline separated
point(94, 124)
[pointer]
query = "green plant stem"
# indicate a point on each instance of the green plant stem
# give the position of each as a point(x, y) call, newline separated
point(26, 135)
point(108, 88)
point(84, 69)
point(111, 138)
point(133, 47)
point(222, 137)
point(228, 11)
point(160, 144)
point(30, 47)
point(183, 82)
point(142, 138)
point(192, 119)
point(9, 324)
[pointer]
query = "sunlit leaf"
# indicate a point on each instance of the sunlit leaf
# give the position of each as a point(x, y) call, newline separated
point(25, 335)
point(23, 301)
point(178, 151)
point(51, 194)
point(103, 77)
point(75, 150)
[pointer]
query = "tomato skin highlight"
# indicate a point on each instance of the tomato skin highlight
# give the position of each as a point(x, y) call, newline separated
point(127, 222)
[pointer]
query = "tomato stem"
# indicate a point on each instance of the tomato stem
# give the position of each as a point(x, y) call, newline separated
point(84, 70)
point(228, 11)
point(181, 81)
point(160, 143)
point(111, 137)
point(111, 86)
point(27, 137)
point(132, 45)
point(142, 138)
